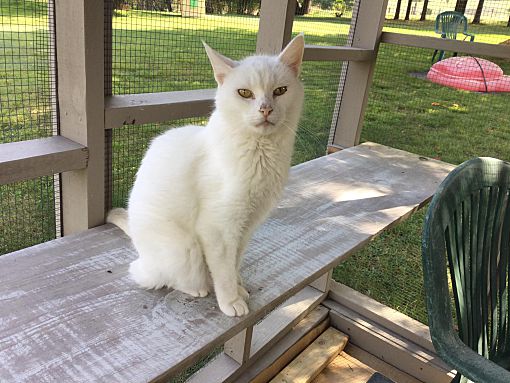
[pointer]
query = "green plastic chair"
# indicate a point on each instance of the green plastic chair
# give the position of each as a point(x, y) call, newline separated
point(448, 25)
point(468, 221)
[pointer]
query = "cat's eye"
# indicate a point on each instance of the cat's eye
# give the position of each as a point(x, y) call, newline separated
point(246, 93)
point(280, 90)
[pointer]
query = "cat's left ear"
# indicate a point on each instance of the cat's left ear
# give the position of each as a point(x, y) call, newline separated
point(292, 55)
point(221, 65)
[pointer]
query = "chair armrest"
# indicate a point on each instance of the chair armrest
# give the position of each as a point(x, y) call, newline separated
point(466, 361)
point(471, 37)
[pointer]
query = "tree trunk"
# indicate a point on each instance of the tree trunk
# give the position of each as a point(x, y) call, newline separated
point(302, 9)
point(424, 10)
point(460, 6)
point(508, 24)
point(397, 10)
point(408, 10)
point(478, 12)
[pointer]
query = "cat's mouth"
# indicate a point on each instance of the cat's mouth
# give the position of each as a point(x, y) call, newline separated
point(265, 124)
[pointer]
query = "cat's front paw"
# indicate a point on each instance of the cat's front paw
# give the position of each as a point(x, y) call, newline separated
point(236, 308)
point(243, 292)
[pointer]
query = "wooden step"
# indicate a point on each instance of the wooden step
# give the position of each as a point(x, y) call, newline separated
point(354, 365)
point(314, 358)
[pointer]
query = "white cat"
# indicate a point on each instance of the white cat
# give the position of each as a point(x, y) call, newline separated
point(201, 192)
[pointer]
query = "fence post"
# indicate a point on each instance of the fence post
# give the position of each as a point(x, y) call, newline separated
point(275, 25)
point(366, 28)
point(80, 66)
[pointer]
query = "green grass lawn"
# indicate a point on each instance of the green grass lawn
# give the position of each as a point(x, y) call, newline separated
point(155, 52)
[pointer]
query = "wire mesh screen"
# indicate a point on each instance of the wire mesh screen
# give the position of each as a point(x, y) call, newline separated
point(450, 110)
point(158, 48)
point(27, 111)
point(326, 24)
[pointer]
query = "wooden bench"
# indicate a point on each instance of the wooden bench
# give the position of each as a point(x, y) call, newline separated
point(69, 311)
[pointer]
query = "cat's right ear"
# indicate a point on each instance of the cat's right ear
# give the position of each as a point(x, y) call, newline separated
point(221, 65)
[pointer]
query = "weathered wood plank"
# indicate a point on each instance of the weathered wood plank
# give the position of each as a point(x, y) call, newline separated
point(385, 316)
point(346, 369)
point(379, 365)
point(388, 346)
point(314, 358)
point(262, 369)
point(333, 53)
point(144, 108)
point(70, 312)
point(45, 156)
point(472, 48)
point(275, 364)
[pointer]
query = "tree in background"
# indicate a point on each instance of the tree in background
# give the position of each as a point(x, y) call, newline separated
point(302, 7)
point(408, 10)
point(424, 10)
point(460, 6)
point(338, 6)
point(397, 10)
point(478, 13)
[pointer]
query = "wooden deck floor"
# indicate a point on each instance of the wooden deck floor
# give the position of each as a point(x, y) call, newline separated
point(354, 365)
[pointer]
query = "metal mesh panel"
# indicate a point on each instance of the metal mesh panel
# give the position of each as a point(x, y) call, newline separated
point(408, 111)
point(27, 111)
point(27, 213)
point(328, 27)
point(156, 50)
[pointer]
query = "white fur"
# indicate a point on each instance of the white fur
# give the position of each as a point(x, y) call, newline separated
point(201, 192)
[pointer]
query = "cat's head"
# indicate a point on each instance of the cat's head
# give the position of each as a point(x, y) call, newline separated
point(261, 94)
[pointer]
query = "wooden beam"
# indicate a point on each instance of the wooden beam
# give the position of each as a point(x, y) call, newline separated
point(471, 48)
point(323, 283)
point(275, 25)
point(386, 316)
point(347, 198)
point(325, 53)
point(225, 369)
point(42, 157)
point(80, 63)
point(314, 358)
point(274, 327)
point(356, 79)
point(401, 353)
point(238, 347)
point(144, 108)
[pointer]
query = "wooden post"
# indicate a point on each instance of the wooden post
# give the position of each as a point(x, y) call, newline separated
point(108, 58)
point(239, 347)
point(275, 25)
point(80, 63)
point(366, 28)
point(323, 282)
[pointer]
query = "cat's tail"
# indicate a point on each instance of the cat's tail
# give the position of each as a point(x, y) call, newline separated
point(119, 217)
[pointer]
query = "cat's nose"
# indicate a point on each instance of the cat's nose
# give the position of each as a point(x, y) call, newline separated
point(265, 110)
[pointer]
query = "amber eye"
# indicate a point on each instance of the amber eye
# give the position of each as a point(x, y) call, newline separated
point(279, 91)
point(246, 93)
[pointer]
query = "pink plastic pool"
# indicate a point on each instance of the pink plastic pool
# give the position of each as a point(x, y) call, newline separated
point(469, 73)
